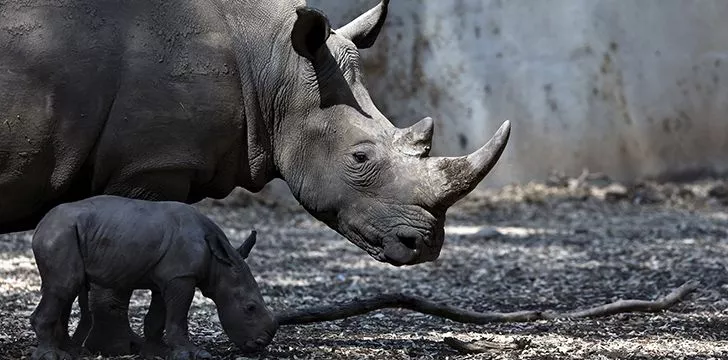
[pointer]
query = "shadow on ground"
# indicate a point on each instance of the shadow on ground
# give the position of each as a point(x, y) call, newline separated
point(535, 247)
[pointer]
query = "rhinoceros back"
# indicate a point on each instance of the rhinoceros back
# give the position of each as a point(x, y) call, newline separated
point(96, 95)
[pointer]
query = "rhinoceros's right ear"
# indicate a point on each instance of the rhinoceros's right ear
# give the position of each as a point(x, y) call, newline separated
point(310, 31)
point(244, 249)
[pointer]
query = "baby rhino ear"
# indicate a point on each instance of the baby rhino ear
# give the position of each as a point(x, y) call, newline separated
point(219, 249)
point(244, 249)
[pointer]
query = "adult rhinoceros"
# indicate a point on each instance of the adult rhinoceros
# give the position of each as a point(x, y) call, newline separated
point(182, 100)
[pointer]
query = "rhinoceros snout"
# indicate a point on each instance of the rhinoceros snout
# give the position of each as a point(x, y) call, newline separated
point(401, 251)
point(252, 346)
point(411, 247)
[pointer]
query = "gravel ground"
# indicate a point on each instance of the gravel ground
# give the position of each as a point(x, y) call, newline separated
point(566, 244)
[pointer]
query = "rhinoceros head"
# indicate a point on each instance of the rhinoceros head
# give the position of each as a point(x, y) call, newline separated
point(349, 166)
point(241, 309)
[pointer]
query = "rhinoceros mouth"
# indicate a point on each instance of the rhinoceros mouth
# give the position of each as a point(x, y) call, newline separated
point(398, 252)
point(257, 344)
point(397, 235)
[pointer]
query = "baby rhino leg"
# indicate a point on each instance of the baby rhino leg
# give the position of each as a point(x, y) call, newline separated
point(178, 294)
point(154, 328)
point(84, 324)
point(59, 261)
point(110, 332)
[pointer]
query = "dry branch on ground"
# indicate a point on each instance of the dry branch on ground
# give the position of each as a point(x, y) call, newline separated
point(422, 305)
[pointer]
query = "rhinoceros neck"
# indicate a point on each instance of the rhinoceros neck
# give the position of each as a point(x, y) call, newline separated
point(261, 51)
point(208, 283)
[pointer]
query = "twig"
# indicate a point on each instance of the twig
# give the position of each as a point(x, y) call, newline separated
point(422, 305)
point(625, 306)
point(481, 346)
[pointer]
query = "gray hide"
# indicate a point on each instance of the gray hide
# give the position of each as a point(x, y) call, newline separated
point(182, 100)
point(125, 244)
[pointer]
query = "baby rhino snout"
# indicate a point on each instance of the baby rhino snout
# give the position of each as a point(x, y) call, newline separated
point(259, 335)
point(258, 344)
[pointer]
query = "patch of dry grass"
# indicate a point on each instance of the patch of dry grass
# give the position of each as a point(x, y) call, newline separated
point(568, 244)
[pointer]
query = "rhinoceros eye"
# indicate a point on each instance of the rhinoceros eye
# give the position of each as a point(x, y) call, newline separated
point(360, 157)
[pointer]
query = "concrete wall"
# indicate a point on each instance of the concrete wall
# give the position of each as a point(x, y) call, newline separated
point(631, 88)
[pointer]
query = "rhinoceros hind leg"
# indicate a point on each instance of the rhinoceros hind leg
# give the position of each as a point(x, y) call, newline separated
point(84, 324)
point(154, 345)
point(110, 333)
point(60, 284)
point(45, 320)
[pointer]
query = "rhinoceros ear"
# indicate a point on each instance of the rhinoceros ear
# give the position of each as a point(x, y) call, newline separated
point(218, 248)
point(310, 31)
point(363, 31)
point(244, 249)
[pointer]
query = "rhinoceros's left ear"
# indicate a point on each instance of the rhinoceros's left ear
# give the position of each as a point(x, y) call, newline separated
point(218, 248)
point(310, 31)
point(244, 249)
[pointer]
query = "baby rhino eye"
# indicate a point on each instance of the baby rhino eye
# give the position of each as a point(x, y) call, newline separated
point(360, 157)
point(251, 307)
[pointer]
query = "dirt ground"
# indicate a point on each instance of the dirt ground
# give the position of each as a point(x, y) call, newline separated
point(567, 244)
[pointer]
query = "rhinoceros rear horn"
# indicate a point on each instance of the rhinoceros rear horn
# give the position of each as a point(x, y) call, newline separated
point(416, 140)
point(363, 31)
point(460, 175)
point(310, 31)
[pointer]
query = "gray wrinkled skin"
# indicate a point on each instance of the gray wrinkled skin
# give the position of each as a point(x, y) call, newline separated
point(125, 244)
point(181, 100)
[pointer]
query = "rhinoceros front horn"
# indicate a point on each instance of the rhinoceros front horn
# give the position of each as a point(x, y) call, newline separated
point(363, 30)
point(457, 176)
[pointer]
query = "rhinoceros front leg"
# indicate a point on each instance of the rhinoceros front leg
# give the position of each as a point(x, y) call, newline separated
point(110, 332)
point(178, 294)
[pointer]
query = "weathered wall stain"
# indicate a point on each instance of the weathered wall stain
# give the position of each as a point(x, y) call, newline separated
point(633, 89)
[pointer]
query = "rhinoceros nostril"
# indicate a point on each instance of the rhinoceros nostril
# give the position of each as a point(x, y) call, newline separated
point(409, 241)
point(427, 238)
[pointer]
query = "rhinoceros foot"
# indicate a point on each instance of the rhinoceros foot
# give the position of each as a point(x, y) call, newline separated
point(76, 350)
point(113, 341)
point(189, 353)
point(50, 353)
point(154, 349)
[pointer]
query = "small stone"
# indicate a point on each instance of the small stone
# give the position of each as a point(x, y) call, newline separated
point(615, 192)
point(719, 191)
point(646, 194)
point(581, 230)
point(612, 193)
point(488, 233)
point(598, 179)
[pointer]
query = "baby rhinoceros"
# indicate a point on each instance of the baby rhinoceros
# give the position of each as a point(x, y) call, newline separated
point(124, 244)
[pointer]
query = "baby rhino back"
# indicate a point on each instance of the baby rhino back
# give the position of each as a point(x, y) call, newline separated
point(121, 241)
